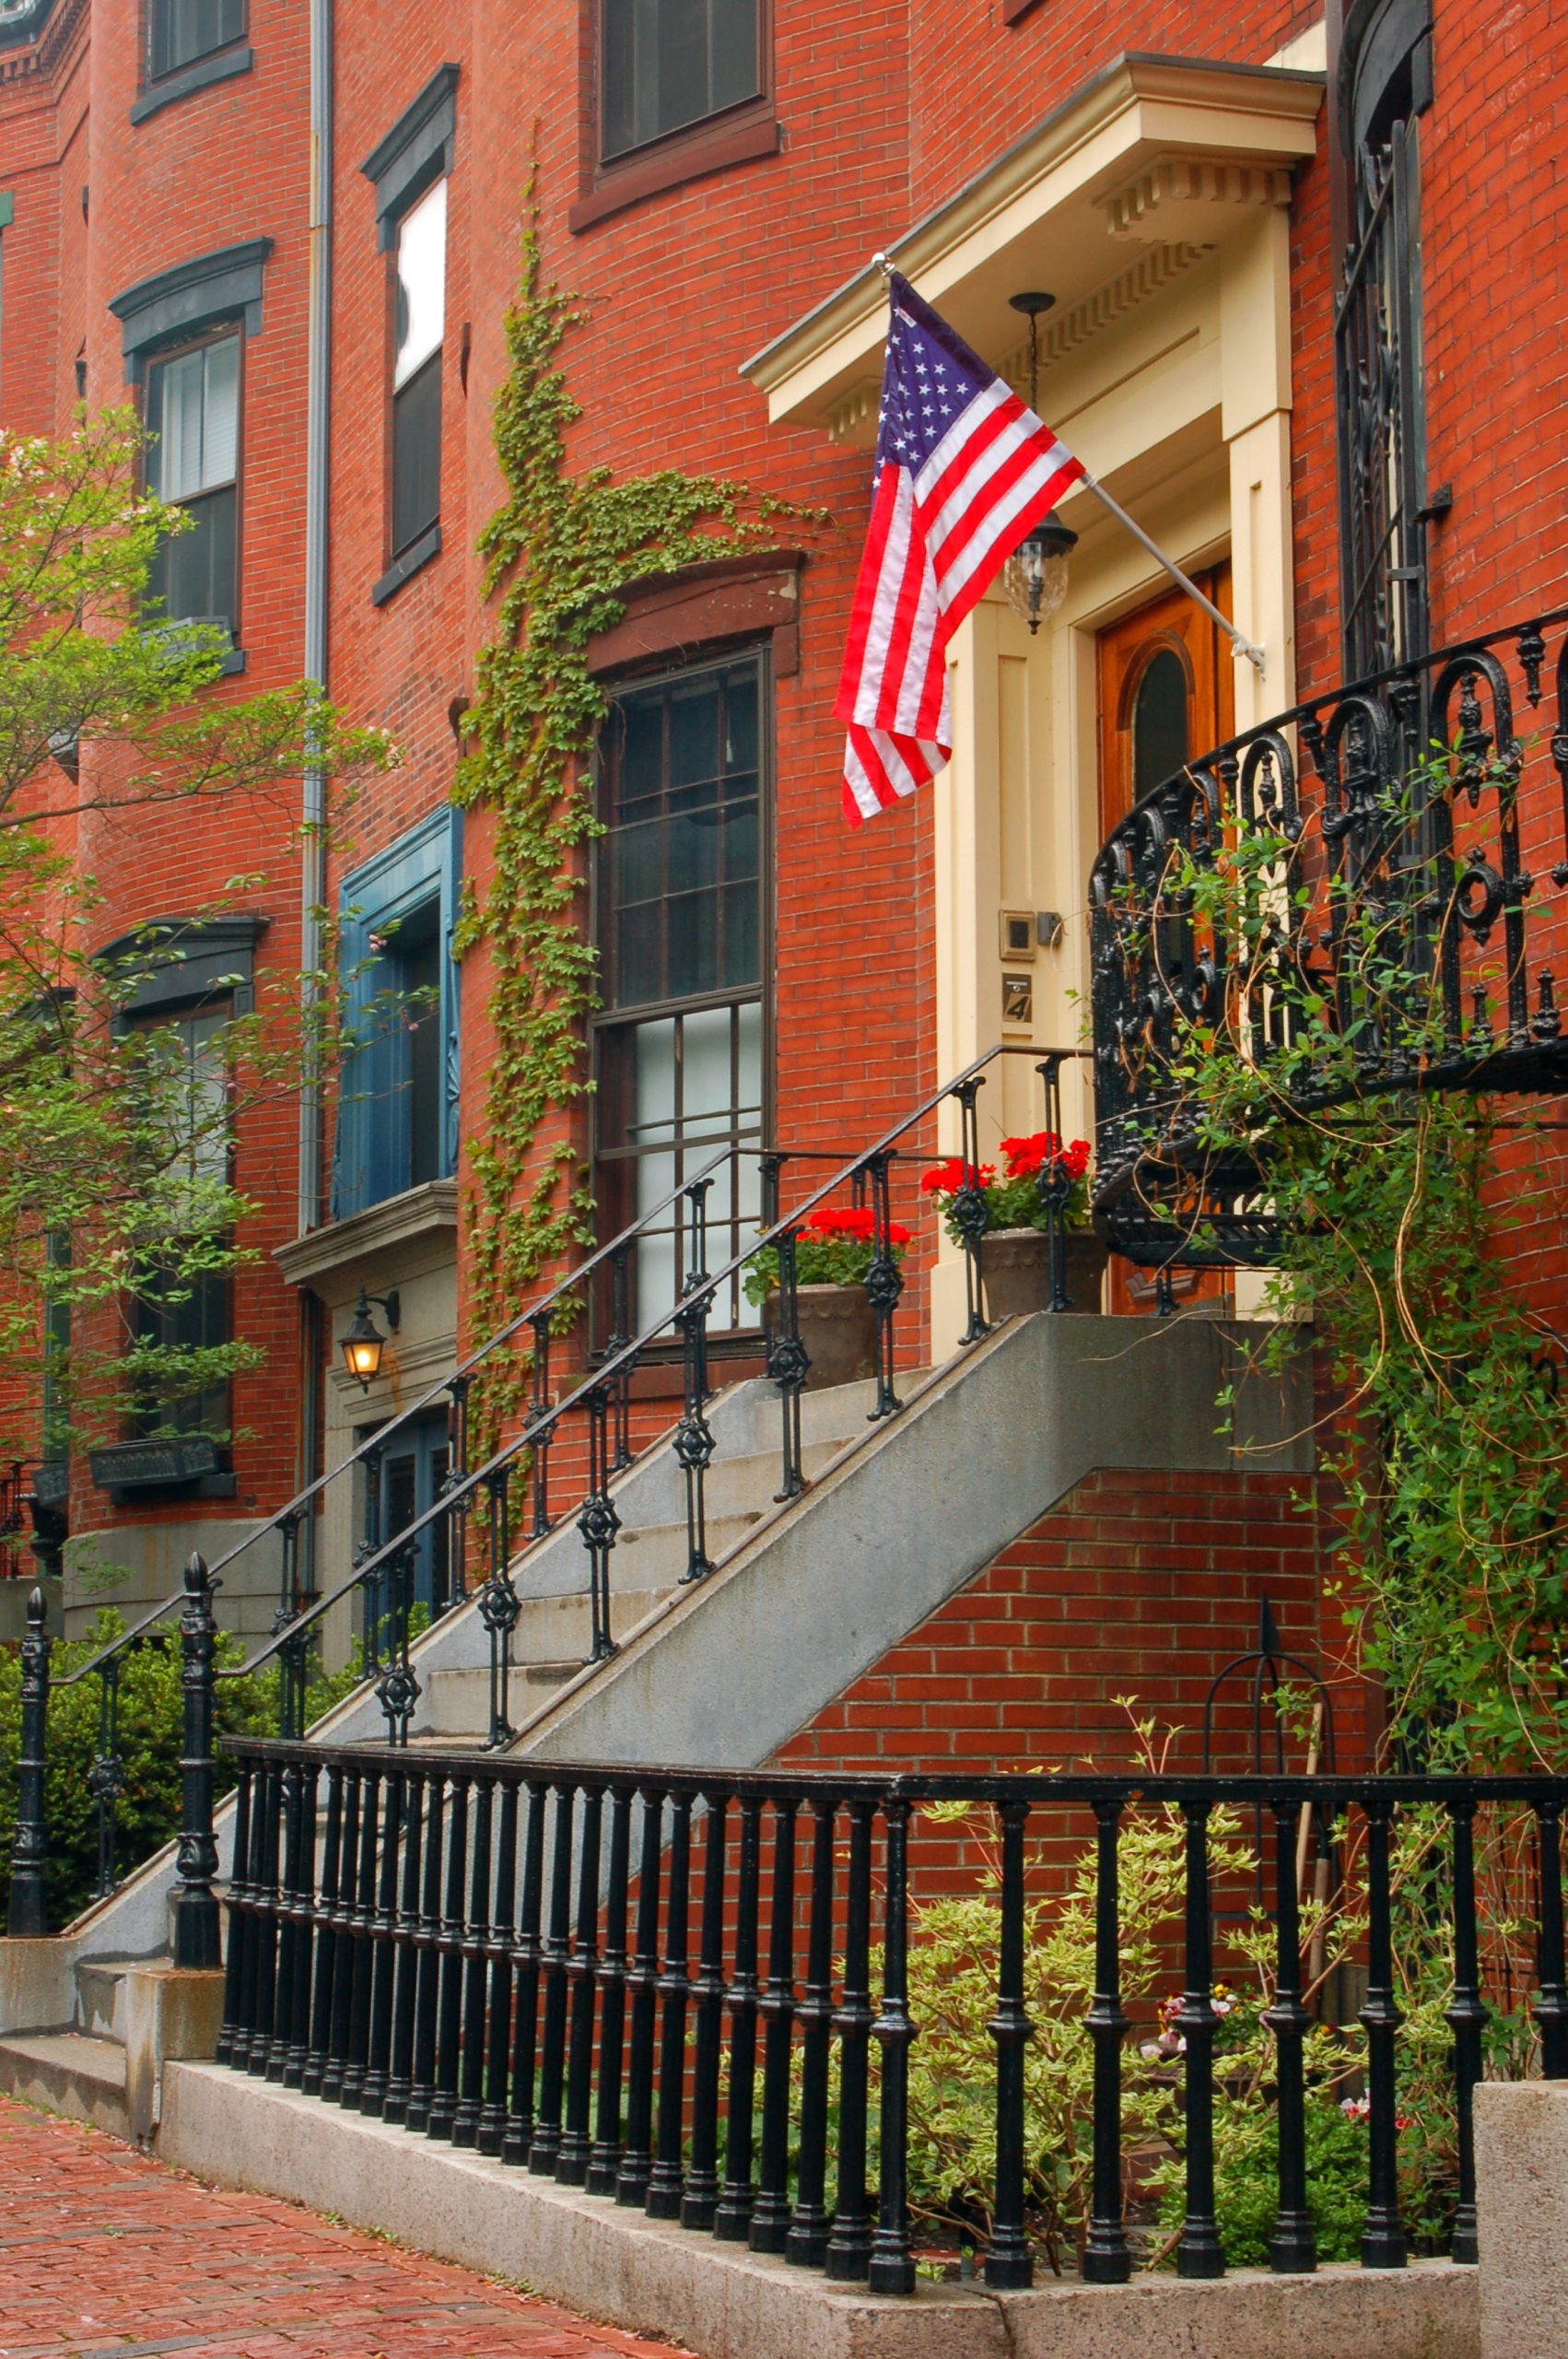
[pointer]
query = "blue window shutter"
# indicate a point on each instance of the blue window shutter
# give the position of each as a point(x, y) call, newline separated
point(371, 1160)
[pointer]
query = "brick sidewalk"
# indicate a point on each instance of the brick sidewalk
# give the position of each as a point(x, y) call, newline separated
point(106, 2255)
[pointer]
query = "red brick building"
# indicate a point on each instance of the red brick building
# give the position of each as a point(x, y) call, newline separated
point(304, 229)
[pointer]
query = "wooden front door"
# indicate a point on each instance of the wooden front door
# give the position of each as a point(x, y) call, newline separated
point(1167, 694)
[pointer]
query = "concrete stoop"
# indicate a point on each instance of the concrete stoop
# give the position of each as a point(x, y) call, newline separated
point(658, 2279)
point(133, 2017)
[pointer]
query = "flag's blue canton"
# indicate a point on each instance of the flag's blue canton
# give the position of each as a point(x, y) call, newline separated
point(923, 389)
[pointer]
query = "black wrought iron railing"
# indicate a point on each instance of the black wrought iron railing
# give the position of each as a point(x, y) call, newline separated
point(1414, 890)
point(699, 1993)
point(513, 1495)
point(585, 1419)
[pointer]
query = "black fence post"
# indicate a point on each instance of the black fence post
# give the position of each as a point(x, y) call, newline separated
point(196, 1937)
point(1106, 2261)
point(30, 1855)
point(892, 2269)
point(1008, 2265)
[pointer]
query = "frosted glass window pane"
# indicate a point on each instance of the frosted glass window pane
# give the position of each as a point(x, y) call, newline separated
point(706, 1066)
point(655, 1279)
point(655, 1178)
point(421, 283)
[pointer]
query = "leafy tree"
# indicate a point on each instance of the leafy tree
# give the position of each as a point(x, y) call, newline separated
point(115, 1191)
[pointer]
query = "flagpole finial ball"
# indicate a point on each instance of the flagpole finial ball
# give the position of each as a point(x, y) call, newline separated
point(880, 261)
point(1031, 304)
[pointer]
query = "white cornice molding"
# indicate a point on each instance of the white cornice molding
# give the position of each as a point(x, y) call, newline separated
point(1044, 197)
point(1180, 195)
point(851, 420)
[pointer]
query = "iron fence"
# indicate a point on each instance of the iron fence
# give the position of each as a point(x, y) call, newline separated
point(697, 1992)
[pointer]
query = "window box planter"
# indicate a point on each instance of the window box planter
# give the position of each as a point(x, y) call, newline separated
point(141, 1465)
point(1016, 1266)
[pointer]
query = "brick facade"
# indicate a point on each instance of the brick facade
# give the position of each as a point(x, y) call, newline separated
point(1125, 1604)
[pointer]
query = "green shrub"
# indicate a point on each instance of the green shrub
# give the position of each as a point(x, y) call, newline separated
point(150, 1724)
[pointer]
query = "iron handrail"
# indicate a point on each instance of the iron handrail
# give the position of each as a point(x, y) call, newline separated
point(1322, 1788)
point(296, 1507)
point(623, 1359)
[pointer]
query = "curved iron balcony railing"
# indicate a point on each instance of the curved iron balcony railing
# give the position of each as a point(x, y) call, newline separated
point(1423, 811)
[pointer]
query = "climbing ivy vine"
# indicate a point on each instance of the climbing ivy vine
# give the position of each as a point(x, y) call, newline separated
point(562, 553)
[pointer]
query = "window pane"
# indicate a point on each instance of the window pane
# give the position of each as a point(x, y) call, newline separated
point(184, 29)
point(421, 283)
point(681, 73)
point(1159, 722)
point(193, 572)
point(694, 733)
point(743, 936)
point(733, 71)
point(654, 1098)
point(666, 62)
point(417, 455)
point(177, 421)
point(680, 808)
point(694, 836)
point(220, 419)
point(636, 856)
point(738, 841)
point(704, 1070)
point(740, 720)
point(642, 748)
point(417, 966)
point(617, 66)
point(637, 965)
point(693, 949)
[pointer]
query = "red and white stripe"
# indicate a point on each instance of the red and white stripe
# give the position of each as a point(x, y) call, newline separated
point(936, 542)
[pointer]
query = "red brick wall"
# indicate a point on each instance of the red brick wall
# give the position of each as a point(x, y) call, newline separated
point(1125, 1601)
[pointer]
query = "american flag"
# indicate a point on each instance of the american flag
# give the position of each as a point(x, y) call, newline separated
point(964, 469)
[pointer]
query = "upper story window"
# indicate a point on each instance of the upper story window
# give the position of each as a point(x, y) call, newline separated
point(192, 409)
point(179, 31)
point(420, 298)
point(666, 63)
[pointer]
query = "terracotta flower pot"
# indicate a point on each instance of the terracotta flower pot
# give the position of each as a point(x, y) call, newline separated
point(838, 1330)
point(1016, 1266)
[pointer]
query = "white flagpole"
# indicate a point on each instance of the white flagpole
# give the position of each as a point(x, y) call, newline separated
point(1242, 646)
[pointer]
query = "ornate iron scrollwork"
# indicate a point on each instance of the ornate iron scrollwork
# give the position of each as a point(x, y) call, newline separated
point(1384, 827)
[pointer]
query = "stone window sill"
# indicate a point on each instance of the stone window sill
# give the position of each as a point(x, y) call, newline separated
point(711, 147)
point(222, 67)
point(418, 552)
